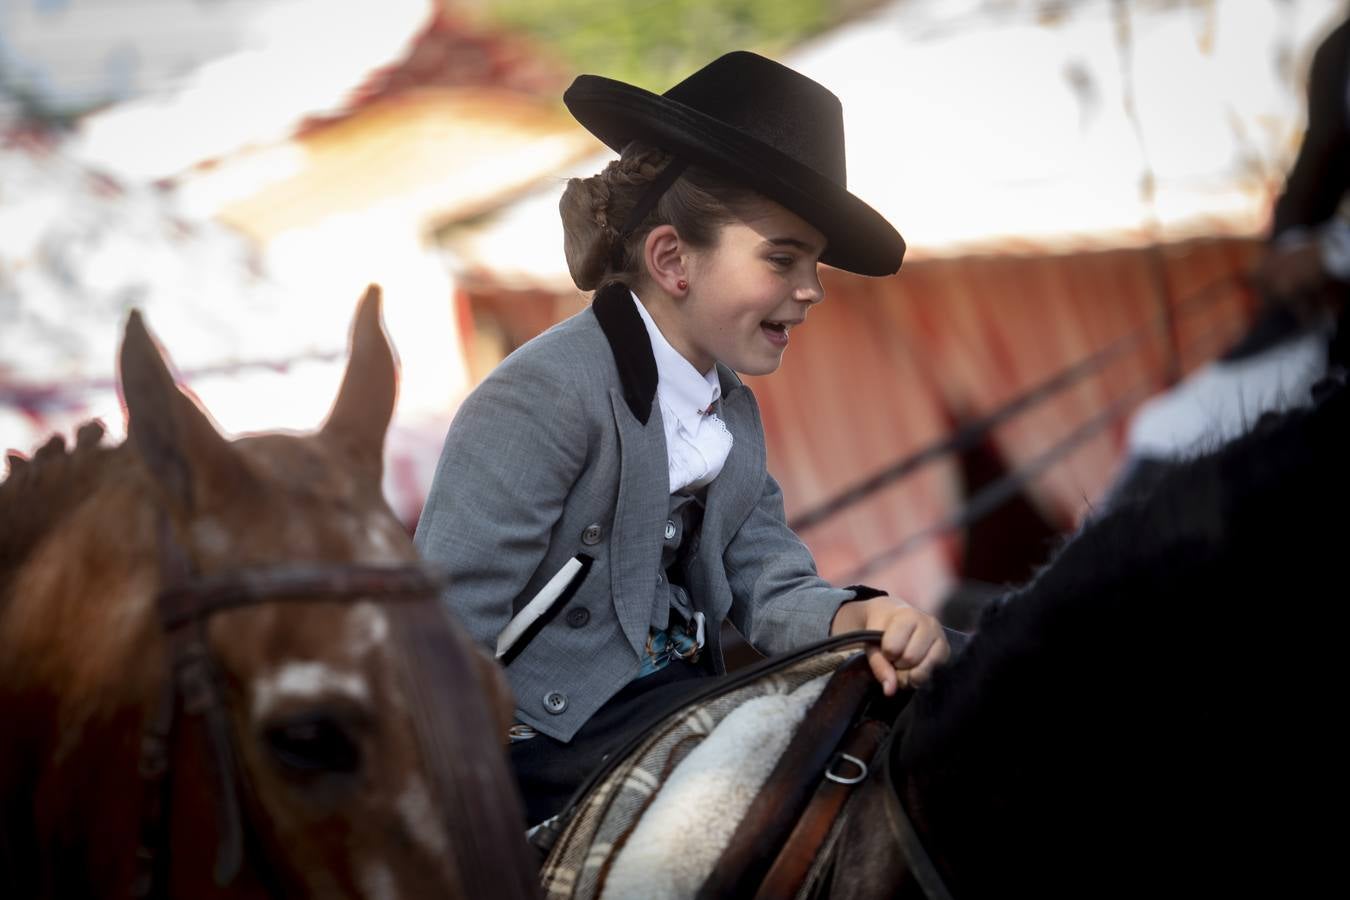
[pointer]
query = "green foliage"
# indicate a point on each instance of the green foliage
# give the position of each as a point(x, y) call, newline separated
point(654, 43)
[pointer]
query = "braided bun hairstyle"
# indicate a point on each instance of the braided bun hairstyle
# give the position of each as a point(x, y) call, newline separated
point(593, 209)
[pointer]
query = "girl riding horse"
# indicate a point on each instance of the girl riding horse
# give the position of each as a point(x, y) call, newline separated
point(601, 501)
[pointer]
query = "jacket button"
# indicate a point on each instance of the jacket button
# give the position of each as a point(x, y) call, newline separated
point(578, 617)
point(555, 702)
point(670, 529)
point(591, 536)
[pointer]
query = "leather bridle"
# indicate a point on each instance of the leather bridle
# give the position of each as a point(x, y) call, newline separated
point(185, 604)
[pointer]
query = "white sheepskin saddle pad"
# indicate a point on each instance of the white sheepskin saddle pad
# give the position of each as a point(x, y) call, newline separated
point(681, 835)
point(658, 822)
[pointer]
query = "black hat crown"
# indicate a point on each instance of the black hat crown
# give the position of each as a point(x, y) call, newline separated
point(773, 104)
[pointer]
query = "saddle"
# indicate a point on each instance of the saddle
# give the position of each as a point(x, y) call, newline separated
point(766, 837)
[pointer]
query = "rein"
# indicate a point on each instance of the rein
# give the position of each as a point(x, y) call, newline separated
point(184, 605)
point(920, 864)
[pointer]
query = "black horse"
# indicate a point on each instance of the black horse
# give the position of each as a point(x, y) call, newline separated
point(1154, 714)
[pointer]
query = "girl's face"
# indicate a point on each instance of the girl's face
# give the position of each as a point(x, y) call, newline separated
point(748, 292)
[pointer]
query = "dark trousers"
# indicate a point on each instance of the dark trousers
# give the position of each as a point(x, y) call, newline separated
point(548, 771)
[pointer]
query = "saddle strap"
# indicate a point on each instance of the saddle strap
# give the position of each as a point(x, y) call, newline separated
point(793, 865)
point(766, 824)
point(921, 866)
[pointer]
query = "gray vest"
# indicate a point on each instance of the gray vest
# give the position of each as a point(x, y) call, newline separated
point(681, 541)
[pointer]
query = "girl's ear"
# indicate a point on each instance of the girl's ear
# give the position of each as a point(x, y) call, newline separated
point(665, 256)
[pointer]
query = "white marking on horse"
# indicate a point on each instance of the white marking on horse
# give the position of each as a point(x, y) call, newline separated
point(419, 816)
point(367, 628)
point(305, 681)
point(377, 882)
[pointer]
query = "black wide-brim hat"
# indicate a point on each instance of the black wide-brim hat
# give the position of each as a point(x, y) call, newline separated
point(760, 124)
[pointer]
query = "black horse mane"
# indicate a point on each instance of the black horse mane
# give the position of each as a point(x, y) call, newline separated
point(38, 493)
point(1134, 695)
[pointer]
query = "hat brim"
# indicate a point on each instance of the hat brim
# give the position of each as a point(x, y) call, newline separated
point(858, 238)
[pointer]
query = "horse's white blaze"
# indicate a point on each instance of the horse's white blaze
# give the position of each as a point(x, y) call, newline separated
point(419, 816)
point(305, 681)
point(367, 628)
point(377, 882)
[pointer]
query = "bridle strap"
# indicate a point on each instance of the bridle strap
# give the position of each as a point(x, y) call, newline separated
point(156, 735)
point(154, 770)
point(202, 597)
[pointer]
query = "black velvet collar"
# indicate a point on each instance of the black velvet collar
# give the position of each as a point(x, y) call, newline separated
point(627, 336)
point(632, 349)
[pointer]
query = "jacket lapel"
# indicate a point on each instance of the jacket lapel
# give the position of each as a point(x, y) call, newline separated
point(632, 349)
point(643, 498)
point(734, 492)
point(639, 512)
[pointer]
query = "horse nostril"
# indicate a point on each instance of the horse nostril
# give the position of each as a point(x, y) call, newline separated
point(313, 744)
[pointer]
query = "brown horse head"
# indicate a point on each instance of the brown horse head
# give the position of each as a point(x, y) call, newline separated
point(362, 735)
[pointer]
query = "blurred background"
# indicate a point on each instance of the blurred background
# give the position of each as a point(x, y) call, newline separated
point(1083, 185)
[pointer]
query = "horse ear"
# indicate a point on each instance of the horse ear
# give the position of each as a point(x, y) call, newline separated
point(365, 403)
point(177, 442)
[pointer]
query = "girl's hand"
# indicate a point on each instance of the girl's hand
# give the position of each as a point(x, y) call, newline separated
point(912, 642)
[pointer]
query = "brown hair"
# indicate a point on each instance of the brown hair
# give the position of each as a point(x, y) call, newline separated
point(593, 210)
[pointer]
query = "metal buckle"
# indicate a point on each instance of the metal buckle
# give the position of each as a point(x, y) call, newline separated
point(842, 779)
point(520, 732)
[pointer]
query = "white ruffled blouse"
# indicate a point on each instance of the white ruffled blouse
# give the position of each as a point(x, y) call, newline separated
point(697, 440)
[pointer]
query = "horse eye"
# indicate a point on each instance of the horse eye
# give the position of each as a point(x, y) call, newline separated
point(314, 744)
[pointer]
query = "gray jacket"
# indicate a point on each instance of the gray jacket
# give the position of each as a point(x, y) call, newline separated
point(560, 452)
